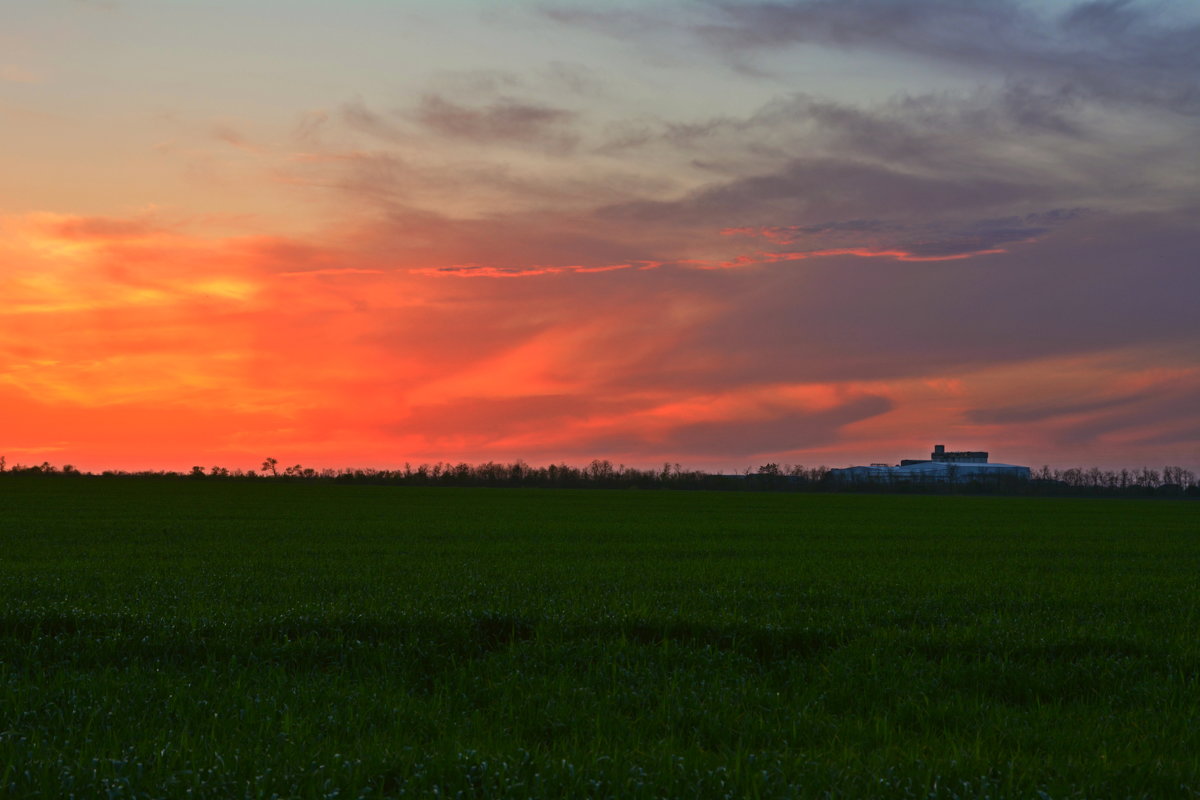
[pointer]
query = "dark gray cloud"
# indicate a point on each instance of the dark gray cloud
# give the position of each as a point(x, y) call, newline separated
point(1124, 51)
point(1039, 412)
point(978, 132)
point(503, 121)
point(1162, 414)
point(927, 167)
point(506, 120)
point(949, 239)
point(993, 150)
point(624, 22)
point(1102, 283)
point(1139, 52)
point(790, 430)
point(516, 240)
point(814, 189)
point(942, 238)
point(1185, 436)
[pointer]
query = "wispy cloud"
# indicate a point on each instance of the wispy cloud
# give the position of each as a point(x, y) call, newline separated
point(507, 120)
point(669, 361)
point(1110, 49)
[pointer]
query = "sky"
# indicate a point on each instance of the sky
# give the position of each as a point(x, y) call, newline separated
point(720, 233)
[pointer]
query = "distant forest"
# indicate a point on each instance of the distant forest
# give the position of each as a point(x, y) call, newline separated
point(603, 474)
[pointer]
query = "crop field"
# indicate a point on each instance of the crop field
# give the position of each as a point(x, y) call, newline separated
point(205, 638)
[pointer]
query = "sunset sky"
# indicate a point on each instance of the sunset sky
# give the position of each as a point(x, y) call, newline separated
point(714, 232)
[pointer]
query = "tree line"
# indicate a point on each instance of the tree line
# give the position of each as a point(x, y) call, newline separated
point(602, 473)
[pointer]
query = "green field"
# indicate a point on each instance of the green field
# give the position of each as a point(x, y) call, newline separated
point(202, 638)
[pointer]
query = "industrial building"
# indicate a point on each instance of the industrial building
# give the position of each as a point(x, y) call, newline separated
point(942, 466)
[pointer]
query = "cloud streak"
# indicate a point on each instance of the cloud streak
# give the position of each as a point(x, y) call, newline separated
point(680, 363)
point(1110, 49)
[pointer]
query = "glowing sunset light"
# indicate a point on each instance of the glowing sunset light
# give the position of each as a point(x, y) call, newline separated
point(646, 233)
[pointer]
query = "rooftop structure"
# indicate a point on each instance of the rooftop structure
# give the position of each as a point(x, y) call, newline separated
point(940, 455)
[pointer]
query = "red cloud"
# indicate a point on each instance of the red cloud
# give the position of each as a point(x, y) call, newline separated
point(125, 343)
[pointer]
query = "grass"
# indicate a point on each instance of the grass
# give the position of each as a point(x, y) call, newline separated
point(169, 638)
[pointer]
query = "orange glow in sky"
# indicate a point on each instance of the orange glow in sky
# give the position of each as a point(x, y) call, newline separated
point(467, 234)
